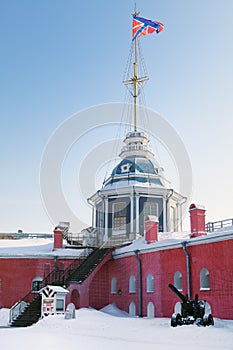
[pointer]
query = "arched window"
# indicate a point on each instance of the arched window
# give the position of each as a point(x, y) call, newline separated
point(150, 283)
point(113, 285)
point(132, 284)
point(178, 280)
point(132, 309)
point(37, 284)
point(150, 310)
point(204, 279)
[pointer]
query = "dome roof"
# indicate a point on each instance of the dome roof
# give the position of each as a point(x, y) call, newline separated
point(135, 165)
point(135, 171)
point(138, 166)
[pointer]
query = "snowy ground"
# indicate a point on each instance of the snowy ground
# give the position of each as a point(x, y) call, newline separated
point(113, 329)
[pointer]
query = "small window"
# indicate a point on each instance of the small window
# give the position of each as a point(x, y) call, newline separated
point(178, 280)
point(37, 284)
point(0, 284)
point(60, 305)
point(132, 309)
point(150, 283)
point(113, 285)
point(150, 310)
point(132, 284)
point(204, 279)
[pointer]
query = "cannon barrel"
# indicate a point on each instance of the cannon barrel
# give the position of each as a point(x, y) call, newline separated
point(179, 294)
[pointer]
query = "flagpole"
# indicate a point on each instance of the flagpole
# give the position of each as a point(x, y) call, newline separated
point(135, 82)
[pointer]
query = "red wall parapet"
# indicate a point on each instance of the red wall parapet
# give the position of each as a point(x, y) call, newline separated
point(197, 220)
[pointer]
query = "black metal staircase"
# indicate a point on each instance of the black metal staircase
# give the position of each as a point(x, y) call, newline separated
point(87, 266)
point(28, 310)
point(29, 315)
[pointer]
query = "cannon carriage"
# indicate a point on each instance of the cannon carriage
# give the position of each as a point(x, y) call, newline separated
point(193, 311)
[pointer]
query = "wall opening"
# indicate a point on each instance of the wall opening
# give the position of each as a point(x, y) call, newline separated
point(204, 279)
point(132, 309)
point(150, 310)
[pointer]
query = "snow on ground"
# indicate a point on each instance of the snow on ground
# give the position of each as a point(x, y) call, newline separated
point(94, 329)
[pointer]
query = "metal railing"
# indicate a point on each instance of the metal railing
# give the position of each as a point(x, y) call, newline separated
point(217, 225)
point(20, 306)
point(87, 238)
point(95, 239)
point(74, 238)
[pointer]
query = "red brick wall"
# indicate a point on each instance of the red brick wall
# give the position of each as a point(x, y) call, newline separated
point(121, 269)
point(93, 291)
point(160, 265)
point(17, 275)
point(99, 288)
point(171, 261)
point(216, 257)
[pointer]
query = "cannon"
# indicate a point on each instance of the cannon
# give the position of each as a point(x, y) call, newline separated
point(192, 311)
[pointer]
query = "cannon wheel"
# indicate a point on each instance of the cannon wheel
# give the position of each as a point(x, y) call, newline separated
point(208, 320)
point(176, 320)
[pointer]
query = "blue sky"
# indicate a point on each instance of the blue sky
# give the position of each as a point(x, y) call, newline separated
point(59, 57)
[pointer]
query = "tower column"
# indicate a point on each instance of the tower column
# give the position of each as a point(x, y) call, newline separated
point(131, 213)
point(137, 213)
point(164, 214)
point(93, 216)
point(105, 218)
point(180, 217)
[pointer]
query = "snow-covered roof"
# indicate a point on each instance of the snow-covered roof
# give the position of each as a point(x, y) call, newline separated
point(173, 240)
point(34, 248)
point(56, 289)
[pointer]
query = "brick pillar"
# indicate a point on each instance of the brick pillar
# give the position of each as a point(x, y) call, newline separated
point(151, 229)
point(197, 220)
point(57, 238)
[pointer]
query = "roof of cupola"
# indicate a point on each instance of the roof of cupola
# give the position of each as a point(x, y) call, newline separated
point(138, 164)
point(135, 165)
